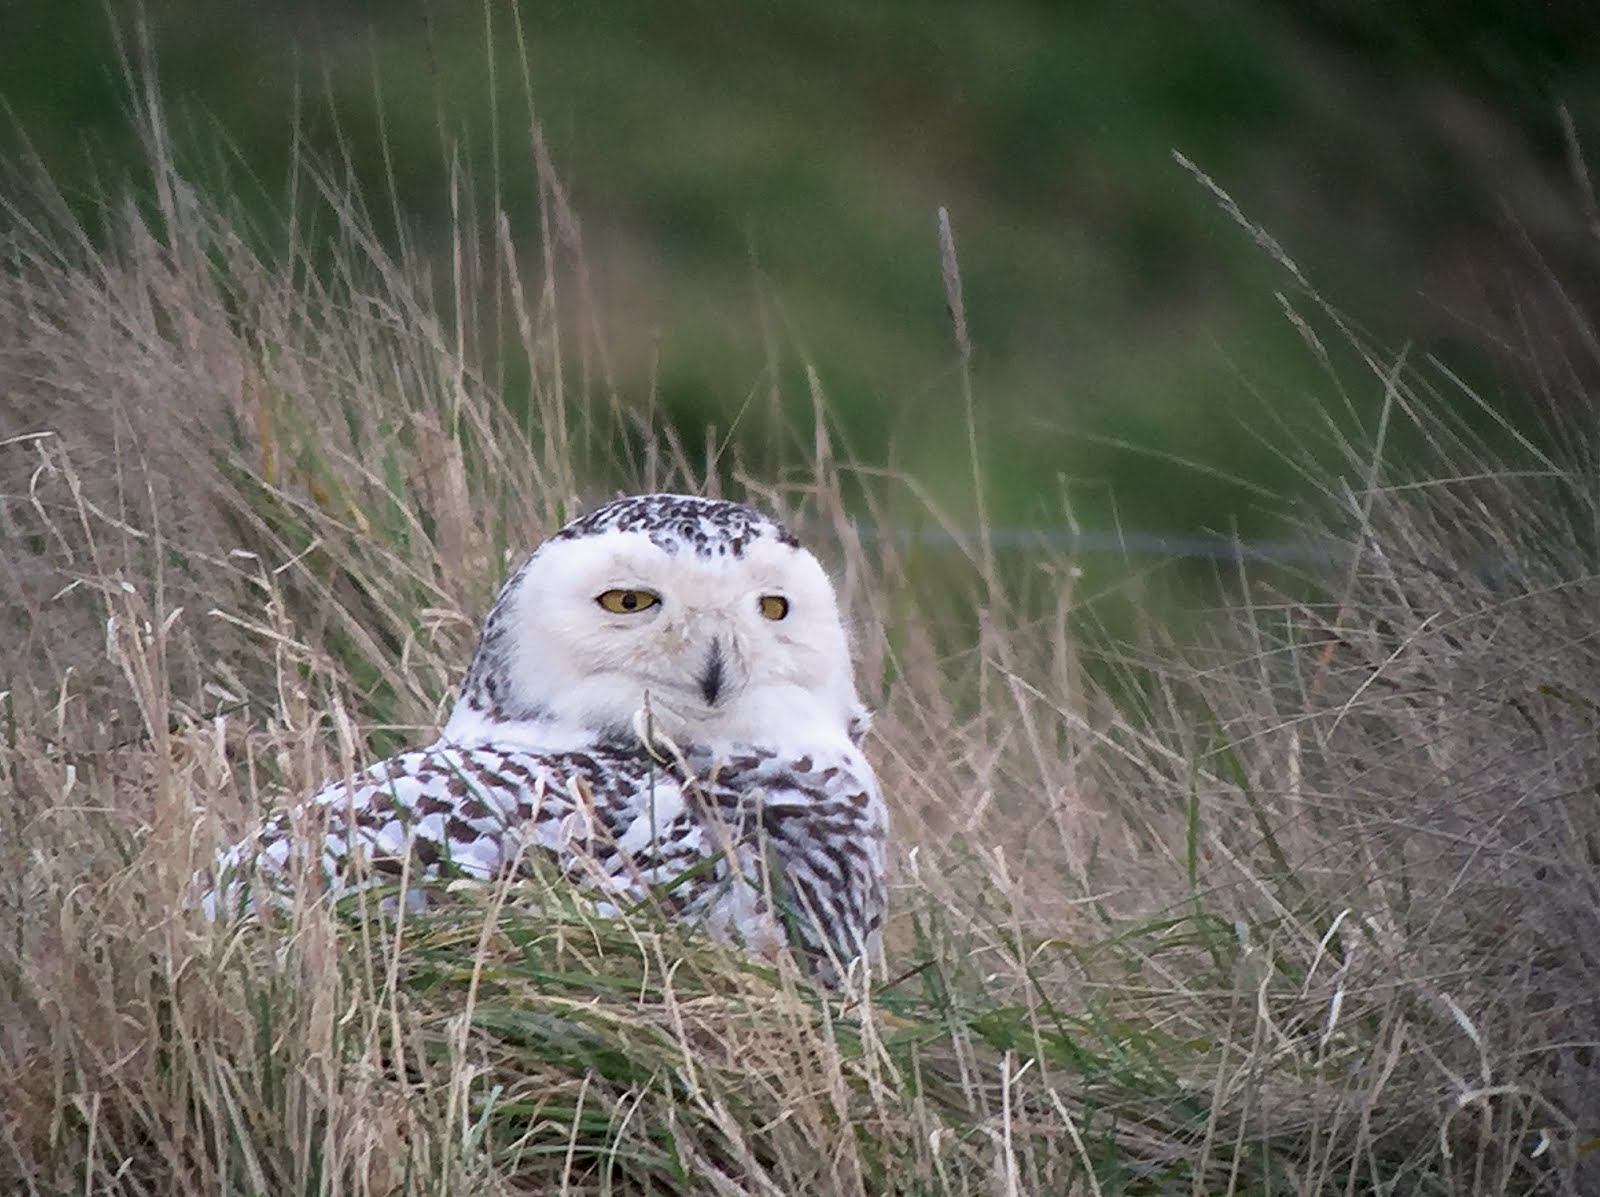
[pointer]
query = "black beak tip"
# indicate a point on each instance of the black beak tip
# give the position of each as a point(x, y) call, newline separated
point(711, 679)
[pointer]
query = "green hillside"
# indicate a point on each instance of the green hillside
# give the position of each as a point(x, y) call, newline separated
point(758, 185)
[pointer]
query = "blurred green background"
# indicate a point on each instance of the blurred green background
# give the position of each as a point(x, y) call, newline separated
point(1132, 362)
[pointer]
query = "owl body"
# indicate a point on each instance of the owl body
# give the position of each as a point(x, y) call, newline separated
point(660, 710)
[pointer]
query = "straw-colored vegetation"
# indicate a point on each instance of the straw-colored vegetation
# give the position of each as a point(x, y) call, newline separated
point(1314, 910)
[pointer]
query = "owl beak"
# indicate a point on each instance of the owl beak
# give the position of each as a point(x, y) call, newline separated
point(713, 677)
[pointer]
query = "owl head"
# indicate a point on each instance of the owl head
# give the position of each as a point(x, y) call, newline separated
point(706, 614)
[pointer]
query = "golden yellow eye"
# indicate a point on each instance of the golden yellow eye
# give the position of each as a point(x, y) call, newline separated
point(627, 602)
point(774, 606)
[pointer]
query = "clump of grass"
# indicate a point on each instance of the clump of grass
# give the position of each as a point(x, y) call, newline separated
point(1317, 914)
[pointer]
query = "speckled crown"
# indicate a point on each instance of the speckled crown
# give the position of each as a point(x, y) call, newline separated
point(683, 523)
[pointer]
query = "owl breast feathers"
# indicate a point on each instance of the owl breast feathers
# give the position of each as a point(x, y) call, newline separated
point(660, 712)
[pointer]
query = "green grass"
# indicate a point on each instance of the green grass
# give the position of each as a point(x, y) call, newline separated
point(768, 176)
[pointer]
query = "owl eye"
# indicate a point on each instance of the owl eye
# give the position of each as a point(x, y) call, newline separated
point(774, 606)
point(627, 602)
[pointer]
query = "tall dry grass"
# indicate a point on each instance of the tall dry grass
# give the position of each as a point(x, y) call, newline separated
point(1313, 909)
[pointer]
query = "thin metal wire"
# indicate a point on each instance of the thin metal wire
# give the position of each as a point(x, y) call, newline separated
point(1122, 544)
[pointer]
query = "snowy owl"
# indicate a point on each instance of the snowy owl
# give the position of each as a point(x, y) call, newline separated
point(661, 707)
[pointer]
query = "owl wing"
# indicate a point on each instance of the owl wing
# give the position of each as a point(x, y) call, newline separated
point(807, 832)
point(441, 811)
point(763, 848)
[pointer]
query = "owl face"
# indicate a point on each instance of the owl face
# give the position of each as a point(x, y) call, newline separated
point(706, 613)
